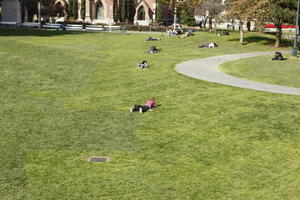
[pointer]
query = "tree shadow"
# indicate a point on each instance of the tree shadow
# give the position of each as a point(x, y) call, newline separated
point(264, 40)
point(35, 32)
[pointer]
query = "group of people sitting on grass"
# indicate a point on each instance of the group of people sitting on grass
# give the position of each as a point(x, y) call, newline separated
point(176, 31)
point(189, 33)
point(179, 30)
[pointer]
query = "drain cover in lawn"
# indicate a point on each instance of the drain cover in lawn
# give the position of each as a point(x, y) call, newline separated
point(98, 159)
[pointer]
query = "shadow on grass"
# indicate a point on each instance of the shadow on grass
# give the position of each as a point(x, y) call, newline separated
point(35, 32)
point(264, 40)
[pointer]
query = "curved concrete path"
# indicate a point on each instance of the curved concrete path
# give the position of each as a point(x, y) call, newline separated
point(208, 69)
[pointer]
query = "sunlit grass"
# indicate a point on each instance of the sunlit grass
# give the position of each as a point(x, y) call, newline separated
point(66, 97)
point(262, 69)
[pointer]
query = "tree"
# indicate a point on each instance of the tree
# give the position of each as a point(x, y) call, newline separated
point(48, 8)
point(210, 9)
point(186, 9)
point(159, 10)
point(186, 13)
point(276, 11)
point(240, 10)
point(282, 11)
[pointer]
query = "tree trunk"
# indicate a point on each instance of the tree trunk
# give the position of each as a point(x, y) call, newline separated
point(278, 35)
point(248, 25)
point(241, 33)
point(210, 24)
point(204, 24)
point(216, 26)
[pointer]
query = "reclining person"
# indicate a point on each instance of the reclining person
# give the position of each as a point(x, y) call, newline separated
point(143, 65)
point(223, 34)
point(278, 56)
point(150, 104)
point(191, 32)
point(152, 39)
point(152, 49)
point(208, 45)
point(187, 34)
point(184, 36)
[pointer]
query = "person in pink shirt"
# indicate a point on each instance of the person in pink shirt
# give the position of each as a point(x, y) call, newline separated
point(149, 105)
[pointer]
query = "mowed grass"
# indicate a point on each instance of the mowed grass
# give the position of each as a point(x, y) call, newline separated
point(66, 97)
point(262, 69)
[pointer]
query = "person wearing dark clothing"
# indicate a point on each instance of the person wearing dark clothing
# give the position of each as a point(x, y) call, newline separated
point(152, 39)
point(208, 45)
point(150, 104)
point(152, 49)
point(278, 56)
point(63, 26)
point(143, 65)
point(223, 34)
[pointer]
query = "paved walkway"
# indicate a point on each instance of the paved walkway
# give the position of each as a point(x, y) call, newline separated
point(208, 69)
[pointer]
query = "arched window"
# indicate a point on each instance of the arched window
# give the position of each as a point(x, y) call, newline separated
point(141, 13)
point(99, 11)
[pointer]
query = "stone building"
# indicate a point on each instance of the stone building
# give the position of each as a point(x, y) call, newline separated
point(142, 12)
point(103, 11)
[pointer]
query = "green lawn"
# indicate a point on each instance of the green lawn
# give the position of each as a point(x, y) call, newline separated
point(66, 97)
point(261, 69)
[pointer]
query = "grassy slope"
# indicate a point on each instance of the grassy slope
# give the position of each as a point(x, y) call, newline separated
point(66, 97)
point(262, 69)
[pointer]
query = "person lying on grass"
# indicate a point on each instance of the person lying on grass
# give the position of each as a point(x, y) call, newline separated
point(152, 39)
point(223, 34)
point(187, 34)
point(152, 49)
point(143, 65)
point(208, 45)
point(150, 104)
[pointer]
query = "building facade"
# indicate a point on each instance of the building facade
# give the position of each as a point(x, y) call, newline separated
point(104, 11)
point(138, 12)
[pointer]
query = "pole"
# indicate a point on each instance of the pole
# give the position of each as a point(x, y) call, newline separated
point(295, 49)
point(175, 15)
point(110, 17)
point(39, 13)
